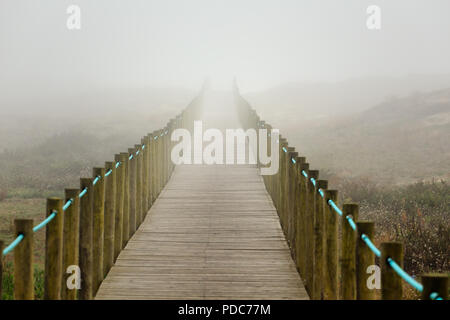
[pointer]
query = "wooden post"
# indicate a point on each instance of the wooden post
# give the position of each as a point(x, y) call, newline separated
point(331, 248)
point(145, 177)
point(273, 178)
point(391, 283)
point(53, 250)
point(296, 242)
point(364, 258)
point(157, 155)
point(319, 239)
point(126, 199)
point(161, 160)
point(138, 187)
point(70, 241)
point(348, 254)
point(98, 211)
point(164, 154)
point(434, 285)
point(171, 144)
point(269, 178)
point(276, 177)
point(301, 223)
point(110, 215)
point(2, 245)
point(86, 236)
point(23, 261)
point(150, 169)
point(290, 186)
point(158, 162)
point(310, 214)
point(282, 184)
point(118, 223)
point(154, 159)
point(165, 157)
point(132, 192)
point(258, 138)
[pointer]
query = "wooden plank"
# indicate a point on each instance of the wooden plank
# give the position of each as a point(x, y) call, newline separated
point(213, 233)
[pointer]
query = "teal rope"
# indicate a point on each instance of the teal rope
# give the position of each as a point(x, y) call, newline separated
point(335, 207)
point(351, 222)
point(45, 222)
point(97, 178)
point(321, 193)
point(13, 244)
point(371, 246)
point(82, 193)
point(20, 237)
point(67, 205)
point(410, 280)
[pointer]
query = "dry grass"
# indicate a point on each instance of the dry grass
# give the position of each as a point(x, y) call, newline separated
point(415, 214)
point(17, 208)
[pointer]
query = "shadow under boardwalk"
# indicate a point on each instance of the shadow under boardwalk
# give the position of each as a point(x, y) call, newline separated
point(213, 233)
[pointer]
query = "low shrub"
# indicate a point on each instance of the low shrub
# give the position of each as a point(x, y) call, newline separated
point(8, 282)
point(415, 214)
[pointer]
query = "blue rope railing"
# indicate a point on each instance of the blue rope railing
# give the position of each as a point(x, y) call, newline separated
point(66, 206)
point(82, 193)
point(371, 246)
point(402, 273)
point(351, 222)
point(322, 194)
point(335, 207)
point(410, 280)
point(97, 179)
point(13, 244)
point(45, 222)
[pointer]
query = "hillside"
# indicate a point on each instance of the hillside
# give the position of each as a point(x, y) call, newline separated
point(313, 102)
point(401, 140)
point(27, 121)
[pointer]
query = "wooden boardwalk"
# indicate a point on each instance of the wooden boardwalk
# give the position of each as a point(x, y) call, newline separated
point(213, 233)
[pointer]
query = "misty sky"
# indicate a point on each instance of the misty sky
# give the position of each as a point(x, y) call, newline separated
point(179, 42)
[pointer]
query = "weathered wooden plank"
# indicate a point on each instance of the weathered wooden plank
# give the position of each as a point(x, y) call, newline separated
point(213, 233)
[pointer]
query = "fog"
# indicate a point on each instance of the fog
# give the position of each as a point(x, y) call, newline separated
point(302, 64)
point(368, 108)
point(178, 43)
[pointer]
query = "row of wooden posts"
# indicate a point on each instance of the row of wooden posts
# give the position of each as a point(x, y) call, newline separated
point(94, 229)
point(331, 258)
